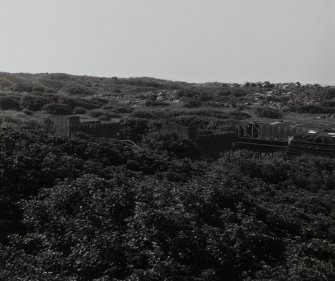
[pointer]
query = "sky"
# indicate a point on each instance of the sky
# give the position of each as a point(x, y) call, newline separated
point(184, 40)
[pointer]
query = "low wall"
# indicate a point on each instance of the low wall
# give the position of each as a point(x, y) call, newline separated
point(181, 131)
point(104, 130)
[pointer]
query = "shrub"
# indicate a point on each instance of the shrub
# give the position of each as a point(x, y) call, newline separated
point(79, 110)
point(156, 103)
point(5, 83)
point(76, 90)
point(268, 112)
point(34, 103)
point(173, 144)
point(329, 103)
point(104, 117)
point(9, 102)
point(79, 102)
point(57, 109)
point(330, 94)
point(104, 114)
point(27, 111)
point(315, 108)
point(124, 109)
point(29, 87)
point(144, 114)
point(192, 103)
point(118, 108)
point(96, 112)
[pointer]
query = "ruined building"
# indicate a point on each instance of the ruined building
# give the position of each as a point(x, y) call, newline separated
point(68, 126)
point(294, 137)
point(262, 135)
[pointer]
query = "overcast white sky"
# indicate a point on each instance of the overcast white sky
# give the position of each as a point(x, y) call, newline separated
point(190, 40)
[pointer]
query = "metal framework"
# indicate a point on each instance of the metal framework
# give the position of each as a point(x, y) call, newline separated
point(248, 131)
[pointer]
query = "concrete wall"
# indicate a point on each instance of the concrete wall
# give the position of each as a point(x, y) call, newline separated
point(278, 132)
point(65, 126)
point(181, 131)
point(106, 130)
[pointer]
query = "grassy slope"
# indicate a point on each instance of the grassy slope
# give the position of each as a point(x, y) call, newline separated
point(112, 93)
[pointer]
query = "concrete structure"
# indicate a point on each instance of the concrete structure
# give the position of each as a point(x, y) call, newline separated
point(181, 131)
point(269, 135)
point(211, 142)
point(68, 126)
point(322, 144)
point(264, 136)
point(65, 126)
point(100, 130)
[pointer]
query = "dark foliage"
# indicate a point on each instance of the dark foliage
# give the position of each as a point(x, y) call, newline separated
point(171, 143)
point(74, 89)
point(99, 209)
point(29, 87)
point(79, 110)
point(33, 102)
point(315, 108)
point(10, 102)
point(57, 109)
point(156, 103)
point(267, 112)
point(240, 219)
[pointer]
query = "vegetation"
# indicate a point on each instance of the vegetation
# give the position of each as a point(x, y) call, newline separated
point(86, 208)
point(315, 108)
point(97, 209)
point(156, 103)
point(105, 114)
point(267, 112)
point(34, 103)
point(79, 110)
point(57, 109)
point(9, 102)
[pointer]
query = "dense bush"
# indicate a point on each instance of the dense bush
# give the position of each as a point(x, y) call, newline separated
point(267, 112)
point(57, 109)
point(79, 102)
point(5, 83)
point(191, 103)
point(330, 93)
point(10, 102)
point(144, 114)
point(123, 109)
point(328, 103)
point(240, 219)
point(119, 108)
point(156, 103)
point(79, 110)
point(97, 112)
point(173, 144)
point(315, 108)
point(74, 89)
point(100, 209)
point(34, 103)
point(27, 111)
point(105, 114)
point(29, 87)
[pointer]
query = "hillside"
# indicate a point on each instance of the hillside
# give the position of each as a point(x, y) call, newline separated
point(86, 208)
point(30, 95)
